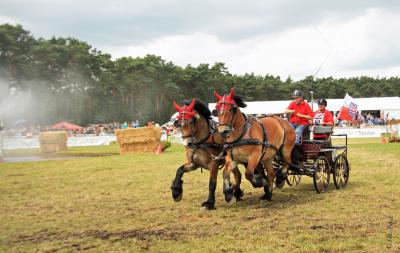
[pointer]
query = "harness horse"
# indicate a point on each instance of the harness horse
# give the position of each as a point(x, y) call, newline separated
point(202, 143)
point(253, 141)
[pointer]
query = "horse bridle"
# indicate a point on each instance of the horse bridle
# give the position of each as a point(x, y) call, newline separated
point(233, 108)
point(185, 122)
point(193, 130)
point(189, 121)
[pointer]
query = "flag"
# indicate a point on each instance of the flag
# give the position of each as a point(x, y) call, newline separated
point(349, 109)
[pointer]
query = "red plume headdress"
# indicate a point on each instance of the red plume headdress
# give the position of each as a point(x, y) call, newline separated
point(187, 111)
point(226, 101)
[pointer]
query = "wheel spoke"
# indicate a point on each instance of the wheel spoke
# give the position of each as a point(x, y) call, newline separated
point(322, 174)
point(341, 171)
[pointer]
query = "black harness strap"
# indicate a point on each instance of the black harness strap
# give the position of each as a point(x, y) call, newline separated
point(242, 142)
point(246, 127)
point(195, 146)
point(239, 141)
point(284, 133)
point(265, 143)
point(201, 144)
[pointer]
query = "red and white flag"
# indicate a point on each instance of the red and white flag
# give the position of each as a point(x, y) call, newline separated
point(349, 109)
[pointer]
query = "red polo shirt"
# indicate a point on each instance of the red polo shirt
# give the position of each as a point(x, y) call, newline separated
point(302, 108)
point(319, 117)
point(324, 116)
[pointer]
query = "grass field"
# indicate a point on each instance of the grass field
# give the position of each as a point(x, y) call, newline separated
point(124, 203)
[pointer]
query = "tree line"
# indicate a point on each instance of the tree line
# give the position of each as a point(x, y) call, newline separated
point(68, 79)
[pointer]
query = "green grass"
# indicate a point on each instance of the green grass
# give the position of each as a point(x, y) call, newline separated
point(123, 203)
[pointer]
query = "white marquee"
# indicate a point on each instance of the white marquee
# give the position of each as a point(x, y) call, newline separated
point(385, 104)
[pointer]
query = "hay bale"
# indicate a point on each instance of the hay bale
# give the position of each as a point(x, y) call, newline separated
point(53, 141)
point(138, 140)
point(393, 122)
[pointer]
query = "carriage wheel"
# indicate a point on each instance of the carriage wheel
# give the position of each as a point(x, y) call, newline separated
point(341, 171)
point(322, 174)
point(293, 179)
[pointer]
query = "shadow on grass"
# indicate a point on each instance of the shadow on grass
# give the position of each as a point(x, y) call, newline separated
point(355, 184)
point(290, 196)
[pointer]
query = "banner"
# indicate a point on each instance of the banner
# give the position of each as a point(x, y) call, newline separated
point(349, 109)
point(33, 142)
point(360, 132)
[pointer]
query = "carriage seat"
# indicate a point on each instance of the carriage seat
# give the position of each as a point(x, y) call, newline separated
point(312, 149)
point(328, 130)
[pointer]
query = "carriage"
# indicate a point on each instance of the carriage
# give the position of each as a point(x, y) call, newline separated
point(263, 144)
point(318, 159)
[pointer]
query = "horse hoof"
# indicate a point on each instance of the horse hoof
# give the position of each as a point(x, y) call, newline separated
point(267, 194)
point(266, 197)
point(178, 198)
point(207, 206)
point(231, 201)
point(177, 192)
point(258, 181)
point(238, 194)
point(229, 194)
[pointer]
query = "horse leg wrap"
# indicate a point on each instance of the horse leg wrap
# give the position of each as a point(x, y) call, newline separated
point(212, 186)
point(176, 186)
point(210, 203)
point(180, 171)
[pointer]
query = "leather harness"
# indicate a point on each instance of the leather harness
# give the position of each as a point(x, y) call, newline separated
point(202, 144)
point(244, 138)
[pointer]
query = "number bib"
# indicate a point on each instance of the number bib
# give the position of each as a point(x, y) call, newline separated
point(318, 118)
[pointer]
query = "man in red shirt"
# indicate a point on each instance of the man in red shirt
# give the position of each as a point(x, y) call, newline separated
point(322, 117)
point(300, 114)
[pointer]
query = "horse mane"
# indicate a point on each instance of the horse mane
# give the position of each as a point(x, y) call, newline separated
point(200, 107)
point(239, 101)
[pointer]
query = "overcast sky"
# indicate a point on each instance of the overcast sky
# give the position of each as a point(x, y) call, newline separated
point(343, 38)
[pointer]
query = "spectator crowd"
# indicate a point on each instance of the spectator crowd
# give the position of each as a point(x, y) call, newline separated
point(363, 120)
point(25, 130)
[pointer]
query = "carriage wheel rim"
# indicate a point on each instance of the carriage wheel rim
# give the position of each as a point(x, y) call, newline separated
point(293, 179)
point(322, 174)
point(341, 172)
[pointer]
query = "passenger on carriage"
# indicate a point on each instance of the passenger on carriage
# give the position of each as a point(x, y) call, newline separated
point(300, 114)
point(322, 117)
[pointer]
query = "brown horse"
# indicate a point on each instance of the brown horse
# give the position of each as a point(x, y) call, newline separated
point(202, 142)
point(252, 141)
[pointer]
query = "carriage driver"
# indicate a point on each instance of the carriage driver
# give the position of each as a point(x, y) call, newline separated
point(322, 117)
point(300, 114)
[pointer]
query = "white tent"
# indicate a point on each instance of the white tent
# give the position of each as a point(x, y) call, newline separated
point(386, 105)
